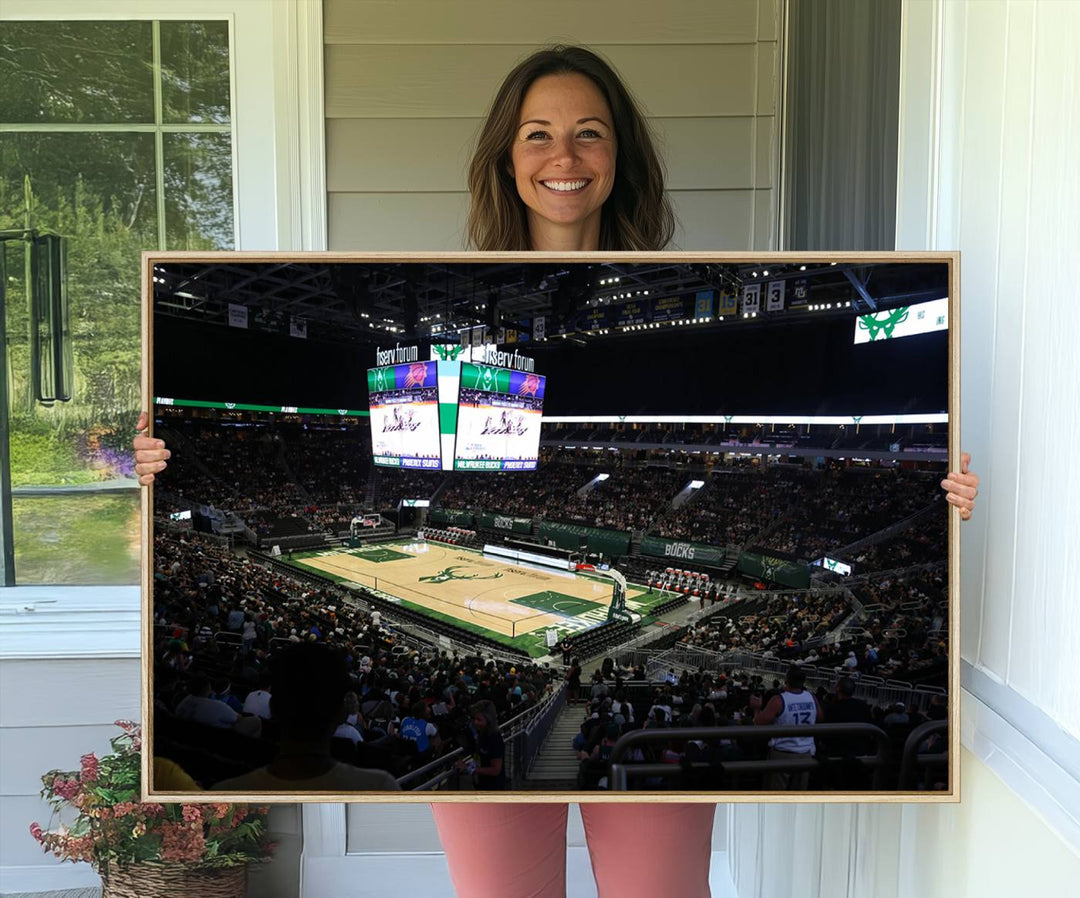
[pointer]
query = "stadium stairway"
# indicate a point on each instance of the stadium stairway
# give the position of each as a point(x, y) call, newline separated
point(556, 765)
point(371, 495)
point(283, 461)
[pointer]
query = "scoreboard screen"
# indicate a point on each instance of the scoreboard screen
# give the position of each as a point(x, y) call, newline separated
point(404, 404)
point(498, 422)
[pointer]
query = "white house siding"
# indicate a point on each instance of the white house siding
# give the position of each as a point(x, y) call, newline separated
point(407, 85)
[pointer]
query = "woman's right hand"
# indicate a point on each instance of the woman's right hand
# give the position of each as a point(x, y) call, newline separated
point(150, 454)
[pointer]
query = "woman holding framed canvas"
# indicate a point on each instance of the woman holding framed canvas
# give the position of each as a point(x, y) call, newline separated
point(565, 163)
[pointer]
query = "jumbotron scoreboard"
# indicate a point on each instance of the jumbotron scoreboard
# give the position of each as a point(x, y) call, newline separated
point(498, 423)
point(455, 415)
point(404, 405)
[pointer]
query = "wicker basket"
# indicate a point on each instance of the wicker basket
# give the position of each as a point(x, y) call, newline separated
point(174, 881)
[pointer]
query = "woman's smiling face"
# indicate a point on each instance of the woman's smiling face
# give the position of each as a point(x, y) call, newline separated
point(563, 160)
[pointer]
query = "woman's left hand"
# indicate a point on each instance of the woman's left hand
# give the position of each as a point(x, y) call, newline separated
point(962, 488)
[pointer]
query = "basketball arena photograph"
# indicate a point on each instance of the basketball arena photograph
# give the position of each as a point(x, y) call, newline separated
point(453, 525)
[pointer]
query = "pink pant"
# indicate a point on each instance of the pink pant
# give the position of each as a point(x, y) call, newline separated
point(519, 850)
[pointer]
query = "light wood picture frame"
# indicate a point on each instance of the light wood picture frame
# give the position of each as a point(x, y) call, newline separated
point(653, 344)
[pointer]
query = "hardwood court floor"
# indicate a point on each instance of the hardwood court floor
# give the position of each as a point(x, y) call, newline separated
point(505, 598)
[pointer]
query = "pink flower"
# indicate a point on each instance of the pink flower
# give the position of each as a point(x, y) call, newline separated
point(89, 767)
point(36, 831)
point(65, 788)
point(191, 813)
point(181, 842)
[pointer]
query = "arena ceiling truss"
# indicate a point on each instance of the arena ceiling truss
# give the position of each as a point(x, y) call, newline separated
point(359, 301)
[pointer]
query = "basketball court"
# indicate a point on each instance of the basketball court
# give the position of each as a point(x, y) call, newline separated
point(513, 603)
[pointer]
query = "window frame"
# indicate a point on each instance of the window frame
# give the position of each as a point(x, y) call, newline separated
point(279, 203)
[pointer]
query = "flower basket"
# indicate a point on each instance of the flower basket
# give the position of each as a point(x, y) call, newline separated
point(149, 850)
point(173, 881)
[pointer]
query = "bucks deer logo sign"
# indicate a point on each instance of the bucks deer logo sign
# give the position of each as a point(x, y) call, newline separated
point(883, 322)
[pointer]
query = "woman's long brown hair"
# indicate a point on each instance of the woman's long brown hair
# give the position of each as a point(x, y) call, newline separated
point(637, 214)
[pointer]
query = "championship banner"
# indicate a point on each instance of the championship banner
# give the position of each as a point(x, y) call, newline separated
point(751, 299)
point(774, 297)
point(703, 304)
point(238, 315)
point(628, 313)
point(669, 308)
point(801, 289)
point(270, 321)
point(775, 570)
point(500, 336)
point(699, 553)
point(728, 303)
point(298, 328)
point(594, 319)
point(539, 323)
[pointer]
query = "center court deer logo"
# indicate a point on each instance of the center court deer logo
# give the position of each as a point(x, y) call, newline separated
point(448, 574)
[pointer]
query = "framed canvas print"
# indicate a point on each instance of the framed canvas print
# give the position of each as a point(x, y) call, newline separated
point(601, 527)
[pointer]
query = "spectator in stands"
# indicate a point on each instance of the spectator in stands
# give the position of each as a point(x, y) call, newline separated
point(417, 728)
point(310, 683)
point(897, 716)
point(223, 693)
point(573, 683)
point(794, 706)
point(845, 708)
point(248, 634)
point(352, 726)
point(257, 701)
point(488, 753)
point(201, 708)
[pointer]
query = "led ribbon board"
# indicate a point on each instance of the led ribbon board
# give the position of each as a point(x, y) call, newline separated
point(499, 413)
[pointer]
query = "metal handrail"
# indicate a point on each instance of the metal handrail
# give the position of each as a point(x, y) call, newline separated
point(620, 772)
point(509, 730)
point(911, 759)
point(438, 763)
